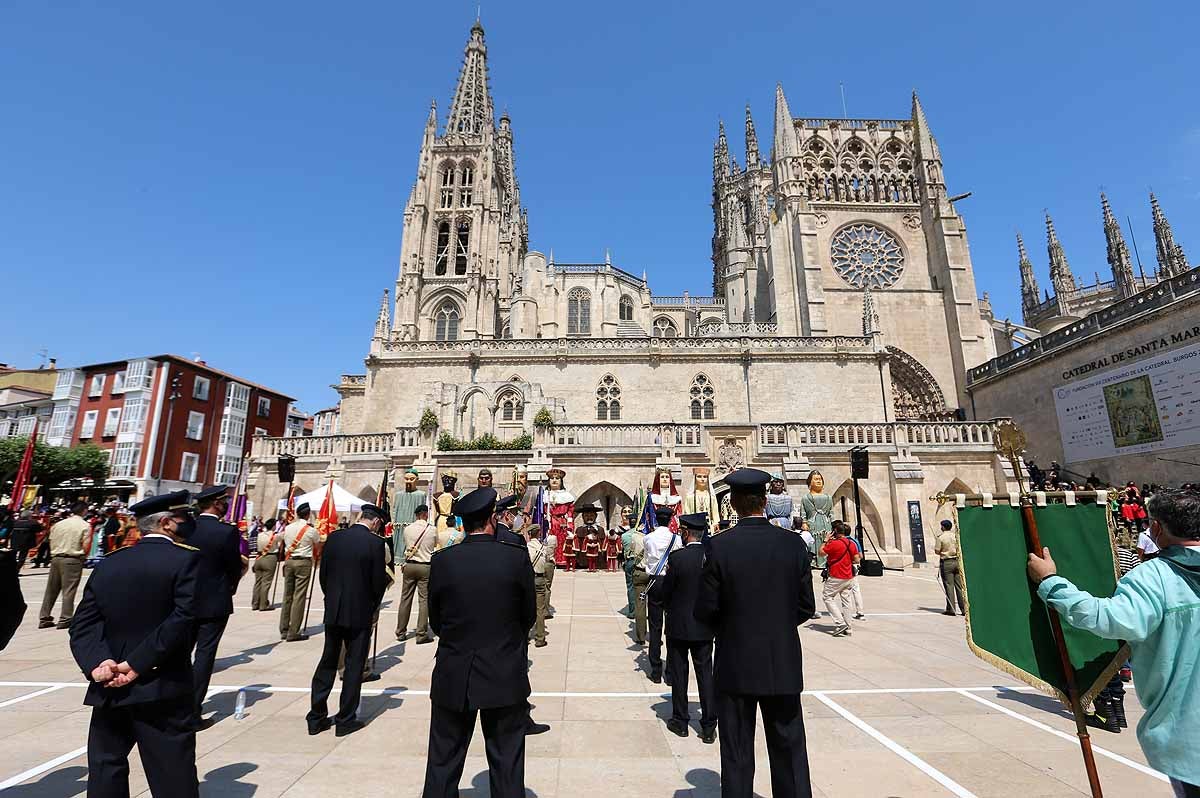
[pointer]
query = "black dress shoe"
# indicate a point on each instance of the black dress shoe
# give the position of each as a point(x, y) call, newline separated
point(423, 640)
point(677, 727)
point(46, 624)
point(372, 677)
point(536, 728)
point(349, 727)
point(297, 638)
point(708, 736)
point(319, 726)
point(948, 612)
point(656, 678)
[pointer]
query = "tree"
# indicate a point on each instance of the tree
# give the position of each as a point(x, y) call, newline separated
point(53, 465)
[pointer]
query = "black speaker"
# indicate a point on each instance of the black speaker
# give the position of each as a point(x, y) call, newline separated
point(860, 464)
point(287, 468)
point(870, 568)
point(960, 414)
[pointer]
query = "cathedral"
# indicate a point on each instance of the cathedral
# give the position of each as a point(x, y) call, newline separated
point(843, 312)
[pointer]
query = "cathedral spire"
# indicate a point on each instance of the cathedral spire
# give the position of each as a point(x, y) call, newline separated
point(785, 144)
point(1029, 286)
point(1060, 271)
point(752, 158)
point(870, 316)
point(383, 322)
point(720, 154)
point(1118, 253)
point(927, 152)
point(471, 111)
point(1171, 260)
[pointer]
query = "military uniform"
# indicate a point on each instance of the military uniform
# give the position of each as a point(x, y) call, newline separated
point(265, 563)
point(657, 546)
point(482, 604)
point(353, 579)
point(538, 559)
point(946, 547)
point(419, 539)
point(687, 636)
point(137, 610)
point(300, 541)
point(755, 591)
point(220, 569)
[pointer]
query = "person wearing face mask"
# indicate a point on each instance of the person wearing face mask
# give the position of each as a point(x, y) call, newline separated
point(132, 638)
point(353, 578)
point(1156, 609)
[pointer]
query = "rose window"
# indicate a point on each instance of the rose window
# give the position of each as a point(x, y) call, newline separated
point(867, 256)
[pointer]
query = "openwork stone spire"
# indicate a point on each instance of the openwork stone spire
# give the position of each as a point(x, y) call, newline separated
point(1118, 253)
point(785, 145)
point(721, 155)
point(752, 158)
point(1061, 276)
point(1171, 260)
point(383, 324)
point(870, 315)
point(471, 111)
point(1029, 285)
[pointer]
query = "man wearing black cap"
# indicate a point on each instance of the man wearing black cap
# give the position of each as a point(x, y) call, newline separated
point(482, 606)
point(658, 545)
point(300, 543)
point(132, 638)
point(686, 635)
point(505, 509)
point(755, 591)
point(353, 578)
point(221, 566)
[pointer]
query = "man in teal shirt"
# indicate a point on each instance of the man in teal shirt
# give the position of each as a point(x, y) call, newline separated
point(1157, 610)
point(627, 551)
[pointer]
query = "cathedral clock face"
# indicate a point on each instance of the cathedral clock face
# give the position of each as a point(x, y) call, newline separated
point(866, 256)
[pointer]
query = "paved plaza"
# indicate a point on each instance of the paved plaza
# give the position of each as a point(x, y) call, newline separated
point(901, 708)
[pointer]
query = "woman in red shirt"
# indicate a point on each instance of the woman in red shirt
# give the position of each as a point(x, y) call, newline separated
point(841, 555)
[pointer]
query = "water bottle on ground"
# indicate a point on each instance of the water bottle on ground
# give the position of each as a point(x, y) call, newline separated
point(239, 707)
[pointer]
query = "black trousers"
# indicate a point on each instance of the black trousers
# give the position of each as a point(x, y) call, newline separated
point(357, 642)
point(654, 614)
point(162, 731)
point(208, 637)
point(677, 663)
point(450, 735)
point(786, 747)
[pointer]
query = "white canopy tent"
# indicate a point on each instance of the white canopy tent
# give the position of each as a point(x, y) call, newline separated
point(344, 500)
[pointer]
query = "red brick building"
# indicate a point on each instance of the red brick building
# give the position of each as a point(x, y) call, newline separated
point(169, 422)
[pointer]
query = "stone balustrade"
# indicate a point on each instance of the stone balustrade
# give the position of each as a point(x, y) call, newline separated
point(623, 436)
point(724, 329)
point(336, 446)
point(915, 434)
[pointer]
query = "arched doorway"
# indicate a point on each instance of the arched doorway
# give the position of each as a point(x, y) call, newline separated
point(610, 499)
point(843, 508)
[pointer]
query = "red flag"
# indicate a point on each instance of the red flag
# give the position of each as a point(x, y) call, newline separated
point(290, 513)
point(327, 519)
point(24, 472)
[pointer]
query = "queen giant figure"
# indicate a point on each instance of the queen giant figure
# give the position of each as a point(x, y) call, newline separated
point(560, 510)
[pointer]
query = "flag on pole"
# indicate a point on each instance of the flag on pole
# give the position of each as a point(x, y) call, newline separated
point(24, 471)
point(648, 520)
point(327, 519)
point(539, 514)
point(289, 514)
point(1007, 623)
point(385, 502)
point(237, 507)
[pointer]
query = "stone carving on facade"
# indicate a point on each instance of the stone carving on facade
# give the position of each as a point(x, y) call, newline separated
point(916, 394)
point(912, 221)
point(730, 457)
point(821, 219)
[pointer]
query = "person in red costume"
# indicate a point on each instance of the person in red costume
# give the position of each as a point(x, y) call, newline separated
point(560, 509)
point(612, 549)
point(667, 495)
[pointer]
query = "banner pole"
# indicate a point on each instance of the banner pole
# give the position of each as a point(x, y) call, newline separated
point(1085, 740)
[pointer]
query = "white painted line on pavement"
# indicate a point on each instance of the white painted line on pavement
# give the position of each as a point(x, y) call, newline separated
point(34, 772)
point(908, 756)
point(28, 696)
point(1149, 771)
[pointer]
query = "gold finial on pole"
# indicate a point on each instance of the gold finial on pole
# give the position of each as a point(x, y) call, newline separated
point(1010, 444)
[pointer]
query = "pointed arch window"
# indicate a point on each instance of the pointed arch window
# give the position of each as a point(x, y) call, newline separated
point(506, 330)
point(665, 328)
point(442, 255)
point(579, 312)
point(462, 246)
point(448, 186)
point(466, 185)
point(445, 322)
point(511, 407)
point(608, 399)
point(626, 309)
point(703, 395)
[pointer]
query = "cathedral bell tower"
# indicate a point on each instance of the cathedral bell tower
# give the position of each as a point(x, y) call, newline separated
point(464, 229)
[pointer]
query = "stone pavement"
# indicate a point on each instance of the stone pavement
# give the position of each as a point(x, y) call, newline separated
point(901, 708)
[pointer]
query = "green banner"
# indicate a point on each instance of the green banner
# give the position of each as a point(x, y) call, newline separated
point(1008, 626)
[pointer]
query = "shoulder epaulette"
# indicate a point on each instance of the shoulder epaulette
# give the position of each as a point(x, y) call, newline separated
point(520, 546)
point(184, 546)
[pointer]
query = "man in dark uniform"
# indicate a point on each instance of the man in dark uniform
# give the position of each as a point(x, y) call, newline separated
point(686, 635)
point(755, 591)
point(353, 578)
point(221, 566)
point(12, 603)
point(132, 637)
point(505, 509)
point(482, 606)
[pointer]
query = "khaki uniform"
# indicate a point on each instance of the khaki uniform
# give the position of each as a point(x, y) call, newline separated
point(264, 569)
point(420, 541)
point(537, 558)
point(946, 547)
point(641, 583)
point(67, 539)
point(300, 540)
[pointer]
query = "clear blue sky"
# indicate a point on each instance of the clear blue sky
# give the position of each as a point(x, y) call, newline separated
point(229, 179)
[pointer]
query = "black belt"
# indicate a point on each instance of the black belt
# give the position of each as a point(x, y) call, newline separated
point(71, 556)
point(955, 557)
point(299, 558)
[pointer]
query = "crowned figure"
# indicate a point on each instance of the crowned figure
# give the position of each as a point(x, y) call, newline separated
point(560, 509)
point(703, 499)
point(667, 495)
